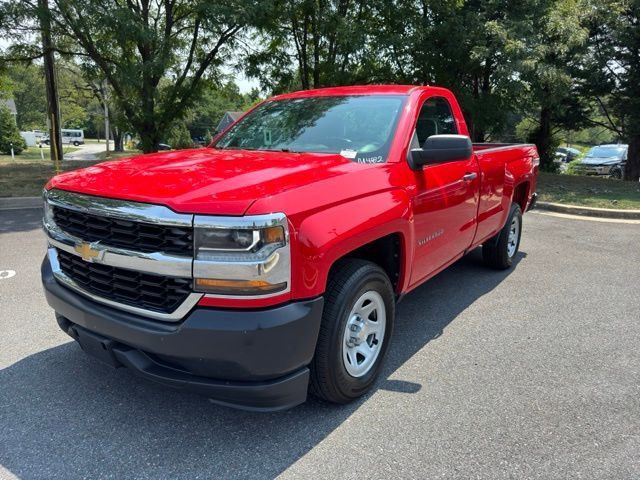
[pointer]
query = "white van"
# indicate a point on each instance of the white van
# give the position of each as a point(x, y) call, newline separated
point(75, 137)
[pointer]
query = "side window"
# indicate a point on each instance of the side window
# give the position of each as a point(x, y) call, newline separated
point(436, 118)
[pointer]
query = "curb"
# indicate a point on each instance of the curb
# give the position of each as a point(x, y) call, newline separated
point(14, 203)
point(589, 211)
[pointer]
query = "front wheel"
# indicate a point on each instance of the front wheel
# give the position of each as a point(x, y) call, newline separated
point(500, 251)
point(354, 335)
point(616, 173)
point(75, 144)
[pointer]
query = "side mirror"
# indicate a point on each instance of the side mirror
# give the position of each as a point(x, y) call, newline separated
point(441, 149)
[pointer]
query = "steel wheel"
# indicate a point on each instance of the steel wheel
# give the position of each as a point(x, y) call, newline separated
point(514, 234)
point(364, 334)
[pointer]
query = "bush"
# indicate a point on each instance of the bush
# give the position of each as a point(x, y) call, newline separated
point(179, 137)
point(9, 133)
point(571, 166)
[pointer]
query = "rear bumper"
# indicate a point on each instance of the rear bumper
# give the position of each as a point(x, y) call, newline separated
point(252, 359)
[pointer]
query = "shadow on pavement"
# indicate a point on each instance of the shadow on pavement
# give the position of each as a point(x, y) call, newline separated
point(65, 415)
point(20, 220)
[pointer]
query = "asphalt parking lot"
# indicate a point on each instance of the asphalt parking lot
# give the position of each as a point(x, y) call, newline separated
point(530, 373)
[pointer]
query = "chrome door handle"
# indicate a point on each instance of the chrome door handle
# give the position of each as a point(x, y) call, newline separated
point(470, 176)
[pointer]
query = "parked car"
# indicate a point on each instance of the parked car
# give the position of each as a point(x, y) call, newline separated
point(604, 160)
point(567, 154)
point(161, 146)
point(271, 263)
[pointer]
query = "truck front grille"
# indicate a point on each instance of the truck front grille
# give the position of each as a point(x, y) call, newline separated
point(127, 234)
point(143, 290)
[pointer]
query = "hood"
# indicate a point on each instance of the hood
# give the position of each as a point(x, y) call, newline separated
point(205, 180)
point(601, 160)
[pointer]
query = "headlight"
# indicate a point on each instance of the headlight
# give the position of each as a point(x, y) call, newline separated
point(242, 256)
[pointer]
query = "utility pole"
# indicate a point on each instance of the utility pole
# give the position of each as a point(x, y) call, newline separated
point(53, 106)
point(105, 99)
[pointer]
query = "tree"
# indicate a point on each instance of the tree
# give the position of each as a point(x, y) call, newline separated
point(154, 54)
point(552, 49)
point(29, 93)
point(612, 72)
point(214, 101)
point(312, 44)
point(471, 47)
point(9, 133)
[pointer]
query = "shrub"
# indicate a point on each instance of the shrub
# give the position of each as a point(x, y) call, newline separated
point(9, 133)
point(179, 137)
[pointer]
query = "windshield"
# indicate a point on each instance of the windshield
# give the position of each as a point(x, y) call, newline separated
point(359, 128)
point(606, 152)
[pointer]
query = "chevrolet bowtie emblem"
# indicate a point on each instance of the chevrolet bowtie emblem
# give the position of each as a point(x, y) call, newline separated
point(86, 251)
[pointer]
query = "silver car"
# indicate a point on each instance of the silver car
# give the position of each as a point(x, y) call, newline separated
point(604, 160)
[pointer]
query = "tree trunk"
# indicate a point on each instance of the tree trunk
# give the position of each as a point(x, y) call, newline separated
point(543, 140)
point(118, 140)
point(478, 135)
point(632, 168)
point(149, 137)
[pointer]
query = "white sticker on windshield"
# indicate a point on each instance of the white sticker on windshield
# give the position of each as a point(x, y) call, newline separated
point(267, 137)
point(348, 153)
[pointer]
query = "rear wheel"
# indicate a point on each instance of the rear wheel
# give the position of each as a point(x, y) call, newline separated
point(354, 335)
point(500, 251)
point(76, 143)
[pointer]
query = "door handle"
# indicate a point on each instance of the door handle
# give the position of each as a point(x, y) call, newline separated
point(470, 177)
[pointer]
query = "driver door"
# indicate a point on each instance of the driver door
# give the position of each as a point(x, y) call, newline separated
point(446, 200)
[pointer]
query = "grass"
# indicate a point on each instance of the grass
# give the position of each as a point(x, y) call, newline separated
point(588, 191)
point(33, 154)
point(26, 179)
point(116, 155)
point(28, 173)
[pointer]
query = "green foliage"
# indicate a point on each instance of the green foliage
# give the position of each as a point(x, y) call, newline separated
point(571, 167)
point(28, 91)
point(310, 44)
point(179, 137)
point(538, 70)
point(9, 133)
point(203, 118)
point(153, 54)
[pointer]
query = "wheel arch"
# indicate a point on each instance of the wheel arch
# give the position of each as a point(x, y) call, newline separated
point(375, 228)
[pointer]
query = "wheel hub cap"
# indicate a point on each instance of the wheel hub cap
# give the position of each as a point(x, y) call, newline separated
point(514, 233)
point(364, 334)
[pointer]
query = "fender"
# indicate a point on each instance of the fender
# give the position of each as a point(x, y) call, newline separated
point(328, 235)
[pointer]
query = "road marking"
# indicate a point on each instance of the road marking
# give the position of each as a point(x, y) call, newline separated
point(585, 218)
point(4, 274)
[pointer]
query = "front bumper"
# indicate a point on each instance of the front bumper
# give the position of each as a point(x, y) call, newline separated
point(594, 169)
point(251, 359)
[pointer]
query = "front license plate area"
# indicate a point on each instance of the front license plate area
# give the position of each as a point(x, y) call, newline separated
point(97, 346)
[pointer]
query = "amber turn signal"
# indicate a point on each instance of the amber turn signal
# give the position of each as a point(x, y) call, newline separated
point(237, 287)
point(273, 235)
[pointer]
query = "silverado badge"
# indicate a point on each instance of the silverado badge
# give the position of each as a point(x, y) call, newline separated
point(87, 252)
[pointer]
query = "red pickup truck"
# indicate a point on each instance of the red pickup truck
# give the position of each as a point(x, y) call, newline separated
point(270, 263)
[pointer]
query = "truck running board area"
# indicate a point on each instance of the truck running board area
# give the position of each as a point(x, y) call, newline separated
point(273, 395)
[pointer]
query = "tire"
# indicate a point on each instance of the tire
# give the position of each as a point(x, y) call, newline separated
point(615, 173)
point(75, 144)
point(353, 284)
point(500, 251)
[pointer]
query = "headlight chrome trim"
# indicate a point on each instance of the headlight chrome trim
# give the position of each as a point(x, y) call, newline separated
point(273, 266)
